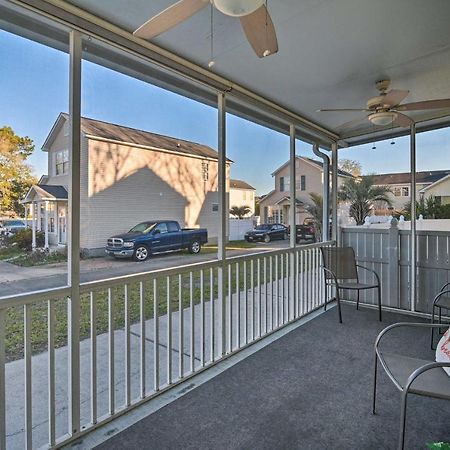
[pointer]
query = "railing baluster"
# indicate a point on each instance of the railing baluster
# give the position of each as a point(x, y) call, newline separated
point(238, 308)
point(202, 319)
point(155, 335)
point(127, 346)
point(277, 293)
point(271, 291)
point(266, 297)
point(212, 312)
point(258, 265)
point(282, 289)
point(252, 301)
point(181, 327)
point(230, 311)
point(51, 371)
point(297, 281)
point(2, 381)
point(28, 374)
point(302, 278)
point(93, 342)
point(245, 304)
point(191, 299)
point(142, 340)
point(111, 351)
point(169, 332)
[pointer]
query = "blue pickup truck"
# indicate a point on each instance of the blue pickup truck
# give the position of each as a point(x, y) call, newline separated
point(156, 236)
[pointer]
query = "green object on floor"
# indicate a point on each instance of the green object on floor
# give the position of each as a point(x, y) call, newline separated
point(438, 446)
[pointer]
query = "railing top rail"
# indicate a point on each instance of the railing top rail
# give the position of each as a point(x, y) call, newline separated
point(64, 291)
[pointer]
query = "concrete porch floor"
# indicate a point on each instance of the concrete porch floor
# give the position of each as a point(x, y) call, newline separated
point(310, 389)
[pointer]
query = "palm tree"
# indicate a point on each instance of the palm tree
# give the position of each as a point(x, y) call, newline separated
point(240, 211)
point(361, 194)
point(316, 211)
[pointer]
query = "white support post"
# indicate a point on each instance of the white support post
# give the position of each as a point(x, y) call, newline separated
point(292, 224)
point(223, 214)
point(25, 215)
point(39, 222)
point(334, 178)
point(413, 217)
point(33, 225)
point(46, 225)
point(74, 231)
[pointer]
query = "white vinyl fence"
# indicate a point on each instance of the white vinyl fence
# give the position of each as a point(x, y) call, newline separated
point(238, 228)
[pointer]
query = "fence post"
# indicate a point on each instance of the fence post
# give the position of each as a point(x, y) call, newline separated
point(393, 260)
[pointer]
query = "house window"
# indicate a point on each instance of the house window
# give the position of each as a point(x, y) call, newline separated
point(284, 184)
point(405, 191)
point(215, 207)
point(401, 191)
point(51, 217)
point(244, 195)
point(397, 191)
point(303, 183)
point(62, 162)
point(205, 171)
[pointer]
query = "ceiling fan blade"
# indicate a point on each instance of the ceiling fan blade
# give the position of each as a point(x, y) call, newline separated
point(394, 97)
point(351, 123)
point(403, 121)
point(260, 32)
point(341, 109)
point(170, 17)
point(427, 104)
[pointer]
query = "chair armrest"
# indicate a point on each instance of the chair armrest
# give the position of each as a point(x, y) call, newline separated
point(370, 270)
point(445, 286)
point(403, 324)
point(421, 370)
point(331, 273)
point(442, 292)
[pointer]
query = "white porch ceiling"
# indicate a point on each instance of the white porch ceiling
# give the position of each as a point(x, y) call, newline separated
point(331, 52)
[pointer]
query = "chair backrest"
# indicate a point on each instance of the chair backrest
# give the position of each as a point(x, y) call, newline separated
point(341, 261)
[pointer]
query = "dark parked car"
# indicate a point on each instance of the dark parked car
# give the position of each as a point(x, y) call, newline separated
point(306, 232)
point(156, 236)
point(267, 232)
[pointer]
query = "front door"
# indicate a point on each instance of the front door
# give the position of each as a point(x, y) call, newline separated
point(62, 233)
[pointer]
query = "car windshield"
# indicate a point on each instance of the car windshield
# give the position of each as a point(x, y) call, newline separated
point(13, 223)
point(143, 227)
point(263, 227)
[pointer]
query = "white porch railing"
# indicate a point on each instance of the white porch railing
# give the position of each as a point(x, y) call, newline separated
point(140, 335)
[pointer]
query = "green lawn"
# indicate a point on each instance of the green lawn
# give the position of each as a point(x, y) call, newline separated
point(9, 252)
point(39, 312)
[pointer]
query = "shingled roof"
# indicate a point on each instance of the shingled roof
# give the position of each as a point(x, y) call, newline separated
point(105, 130)
point(426, 177)
point(239, 184)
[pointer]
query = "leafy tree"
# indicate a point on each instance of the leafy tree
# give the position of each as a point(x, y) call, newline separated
point(315, 209)
point(350, 166)
point(16, 175)
point(362, 194)
point(429, 207)
point(240, 211)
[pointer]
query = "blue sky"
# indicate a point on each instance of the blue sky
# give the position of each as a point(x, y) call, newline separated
point(34, 89)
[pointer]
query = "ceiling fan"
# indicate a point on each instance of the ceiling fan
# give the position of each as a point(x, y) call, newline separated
point(253, 15)
point(384, 109)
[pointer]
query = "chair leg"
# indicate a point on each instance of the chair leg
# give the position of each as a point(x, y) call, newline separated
point(375, 385)
point(401, 440)
point(338, 299)
point(379, 303)
point(357, 299)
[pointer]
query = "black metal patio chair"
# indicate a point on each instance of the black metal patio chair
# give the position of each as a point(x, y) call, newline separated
point(341, 272)
point(410, 375)
point(440, 302)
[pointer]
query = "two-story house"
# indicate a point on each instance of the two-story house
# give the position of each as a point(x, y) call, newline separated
point(242, 194)
point(435, 182)
point(127, 176)
point(275, 206)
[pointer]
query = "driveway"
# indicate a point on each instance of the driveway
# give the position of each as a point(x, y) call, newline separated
point(16, 280)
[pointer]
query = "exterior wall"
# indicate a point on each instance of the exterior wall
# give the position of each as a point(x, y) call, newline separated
point(399, 202)
point(442, 190)
point(61, 142)
point(127, 185)
point(243, 197)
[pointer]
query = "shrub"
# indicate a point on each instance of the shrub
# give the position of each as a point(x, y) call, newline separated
point(24, 239)
point(443, 212)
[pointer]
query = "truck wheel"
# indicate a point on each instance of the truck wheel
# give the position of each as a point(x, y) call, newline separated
point(141, 253)
point(195, 247)
point(266, 238)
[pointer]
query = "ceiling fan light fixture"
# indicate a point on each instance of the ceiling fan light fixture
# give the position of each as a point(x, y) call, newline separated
point(383, 118)
point(237, 8)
